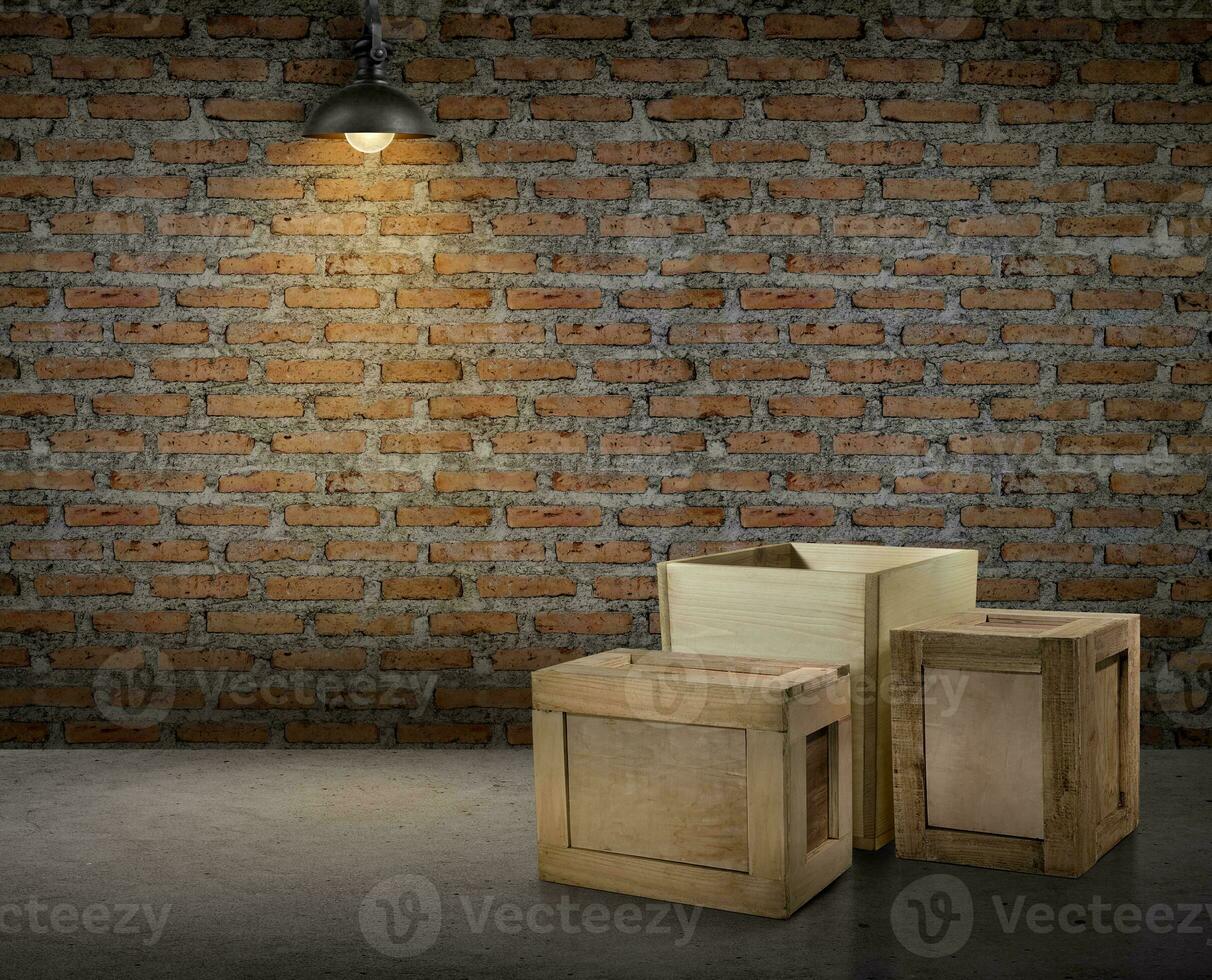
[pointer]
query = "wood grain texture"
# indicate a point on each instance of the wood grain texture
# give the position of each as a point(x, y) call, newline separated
point(550, 777)
point(965, 772)
point(694, 689)
point(823, 602)
point(667, 881)
point(909, 746)
point(984, 770)
point(1105, 712)
point(658, 790)
point(769, 795)
point(1068, 837)
point(735, 816)
point(817, 789)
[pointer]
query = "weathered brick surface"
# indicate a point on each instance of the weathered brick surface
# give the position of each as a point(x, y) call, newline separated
point(339, 449)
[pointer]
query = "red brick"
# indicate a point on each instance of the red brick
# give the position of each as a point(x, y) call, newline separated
point(816, 108)
point(839, 334)
point(726, 26)
point(1125, 71)
point(145, 107)
point(688, 107)
point(779, 223)
point(1163, 113)
point(585, 108)
point(996, 226)
point(777, 69)
point(539, 224)
point(655, 153)
point(903, 26)
point(1178, 30)
point(202, 225)
point(96, 732)
point(876, 444)
point(472, 623)
point(498, 151)
point(1016, 73)
point(1027, 112)
point(1106, 372)
point(655, 445)
point(1105, 154)
point(466, 25)
point(1053, 29)
point(1192, 155)
point(33, 24)
point(908, 70)
point(1109, 443)
point(877, 226)
point(989, 154)
point(99, 223)
point(208, 515)
point(822, 516)
point(658, 69)
point(933, 111)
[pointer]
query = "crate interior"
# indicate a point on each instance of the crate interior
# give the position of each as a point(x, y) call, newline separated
point(823, 557)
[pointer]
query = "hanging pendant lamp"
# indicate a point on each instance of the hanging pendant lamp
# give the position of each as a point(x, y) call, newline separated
point(369, 113)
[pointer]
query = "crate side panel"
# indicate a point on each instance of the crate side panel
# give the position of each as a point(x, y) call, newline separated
point(984, 762)
point(657, 790)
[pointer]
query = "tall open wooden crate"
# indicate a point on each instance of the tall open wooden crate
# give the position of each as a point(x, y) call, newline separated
point(830, 603)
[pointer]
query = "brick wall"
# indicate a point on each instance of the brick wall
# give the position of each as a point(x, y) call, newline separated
point(337, 449)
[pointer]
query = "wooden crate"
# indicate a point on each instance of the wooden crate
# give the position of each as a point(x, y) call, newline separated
point(699, 779)
point(820, 602)
point(1016, 738)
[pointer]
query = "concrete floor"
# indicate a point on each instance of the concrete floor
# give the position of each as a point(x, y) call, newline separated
point(268, 864)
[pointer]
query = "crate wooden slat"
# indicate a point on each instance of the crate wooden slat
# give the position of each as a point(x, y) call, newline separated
point(1016, 738)
point(820, 602)
point(714, 780)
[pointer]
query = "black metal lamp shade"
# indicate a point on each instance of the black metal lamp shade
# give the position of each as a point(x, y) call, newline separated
point(369, 107)
point(369, 112)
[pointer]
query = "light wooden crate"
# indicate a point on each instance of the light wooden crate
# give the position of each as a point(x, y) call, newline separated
point(1016, 738)
point(717, 781)
point(820, 602)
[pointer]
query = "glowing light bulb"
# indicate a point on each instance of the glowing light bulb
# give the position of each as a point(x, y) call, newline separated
point(369, 142)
